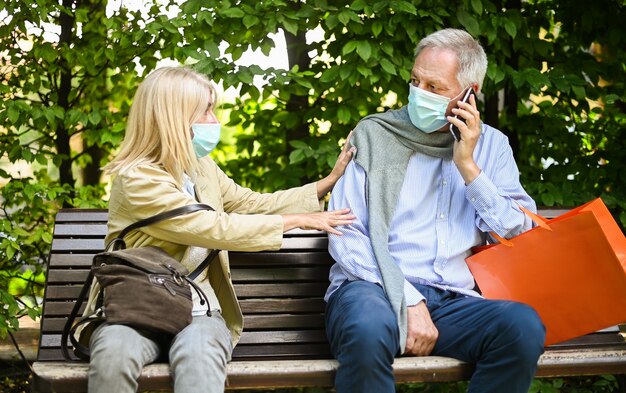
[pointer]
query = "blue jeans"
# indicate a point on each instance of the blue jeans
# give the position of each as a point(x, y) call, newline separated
point(502, 339)
point(198, 356)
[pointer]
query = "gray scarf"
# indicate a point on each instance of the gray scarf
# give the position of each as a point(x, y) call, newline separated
point(385, 142)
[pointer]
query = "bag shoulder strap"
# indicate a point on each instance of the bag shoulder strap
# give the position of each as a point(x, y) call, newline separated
point(196, 272)
point(187, 209)
point(69, 328)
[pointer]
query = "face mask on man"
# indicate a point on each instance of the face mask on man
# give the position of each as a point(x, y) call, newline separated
point(205, 138)
point(427, 110)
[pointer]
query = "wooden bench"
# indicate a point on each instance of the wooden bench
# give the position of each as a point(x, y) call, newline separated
point(284, 343)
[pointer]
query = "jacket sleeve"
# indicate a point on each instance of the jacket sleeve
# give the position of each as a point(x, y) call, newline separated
point(149, 190)
point(245, 201)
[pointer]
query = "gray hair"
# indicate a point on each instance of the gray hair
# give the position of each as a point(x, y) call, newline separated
point(470, 54)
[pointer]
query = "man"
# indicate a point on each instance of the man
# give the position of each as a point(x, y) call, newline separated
point(400, 284)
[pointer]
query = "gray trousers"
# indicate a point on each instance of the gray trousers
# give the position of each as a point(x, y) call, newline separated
point(198, 356)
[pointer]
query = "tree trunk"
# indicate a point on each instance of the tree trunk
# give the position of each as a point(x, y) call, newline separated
point(66, 22)
point(297, 52)
point(92, 171)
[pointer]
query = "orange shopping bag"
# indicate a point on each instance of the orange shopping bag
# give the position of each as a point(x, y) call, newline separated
point(571, 269)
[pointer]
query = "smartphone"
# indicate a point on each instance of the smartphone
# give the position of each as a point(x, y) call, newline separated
point(456, 133)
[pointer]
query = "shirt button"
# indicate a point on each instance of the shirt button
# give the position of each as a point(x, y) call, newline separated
point(473, 199)
point(441, 215)
point(445, 182)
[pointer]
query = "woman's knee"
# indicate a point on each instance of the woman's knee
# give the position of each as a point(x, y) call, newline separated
point(206, 340)
point(119, 350)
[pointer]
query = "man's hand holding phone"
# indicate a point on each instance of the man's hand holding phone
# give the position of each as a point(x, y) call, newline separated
point(456, 133)
point(466, 137)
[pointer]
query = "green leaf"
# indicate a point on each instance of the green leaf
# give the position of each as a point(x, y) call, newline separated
point(579, 92)
point(345, 71)
point(296, 156)
point(469, 22)
point(377, 28)
point(299, 144)
point(47, 237)
point(10, 251)
point(17, 231)
point(364, 50)
point(212, 47)
point(250, 20)
point(611, 99)
point(477, 6)
point(358, 5)
point(343, 114)
point(388, 66)
point(330, 74)
point(232, 12)
point(13, 114)
point(547, 199)
point(191, 7)
point(510, 28)
point(332, 21)
point(404, 6)
point(349, 47)
point(281, 117)
point(344, 17)
point(95, 117)
point(363, 70)
point(290, 26)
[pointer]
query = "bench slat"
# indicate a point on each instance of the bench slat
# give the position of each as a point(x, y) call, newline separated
point(248, 306)
point(237, 259)
point(61, 261)
point(278, 321)
point(82, 215)
point(97, 244)
point(277, 290)
point(296, 336)
point(242, 275)
point(251, 322)
point(303, 373)
point(78, 273)
point(295, 351)
point(80, 230)
point(63, 292)
point(279, 258)
point(256, 306)
point(86, 245)
point(62, 308)
point(67, 276)
point(270, 337)
point(307, 243)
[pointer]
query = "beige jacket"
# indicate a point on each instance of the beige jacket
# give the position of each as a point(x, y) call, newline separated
point(252, 222)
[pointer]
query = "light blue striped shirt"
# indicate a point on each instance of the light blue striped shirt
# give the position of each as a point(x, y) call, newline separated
point(437, 220)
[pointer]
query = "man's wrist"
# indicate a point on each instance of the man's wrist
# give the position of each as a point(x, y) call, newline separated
point(469, 171)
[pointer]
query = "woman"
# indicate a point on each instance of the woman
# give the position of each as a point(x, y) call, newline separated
point(163, 165)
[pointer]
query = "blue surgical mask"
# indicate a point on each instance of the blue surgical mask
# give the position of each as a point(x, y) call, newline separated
point(205, 138)
point(427, 110)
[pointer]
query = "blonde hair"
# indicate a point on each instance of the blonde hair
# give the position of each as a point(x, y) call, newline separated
point(158, 130)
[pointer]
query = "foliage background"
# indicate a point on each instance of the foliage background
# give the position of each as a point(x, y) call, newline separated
point(555, 85)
